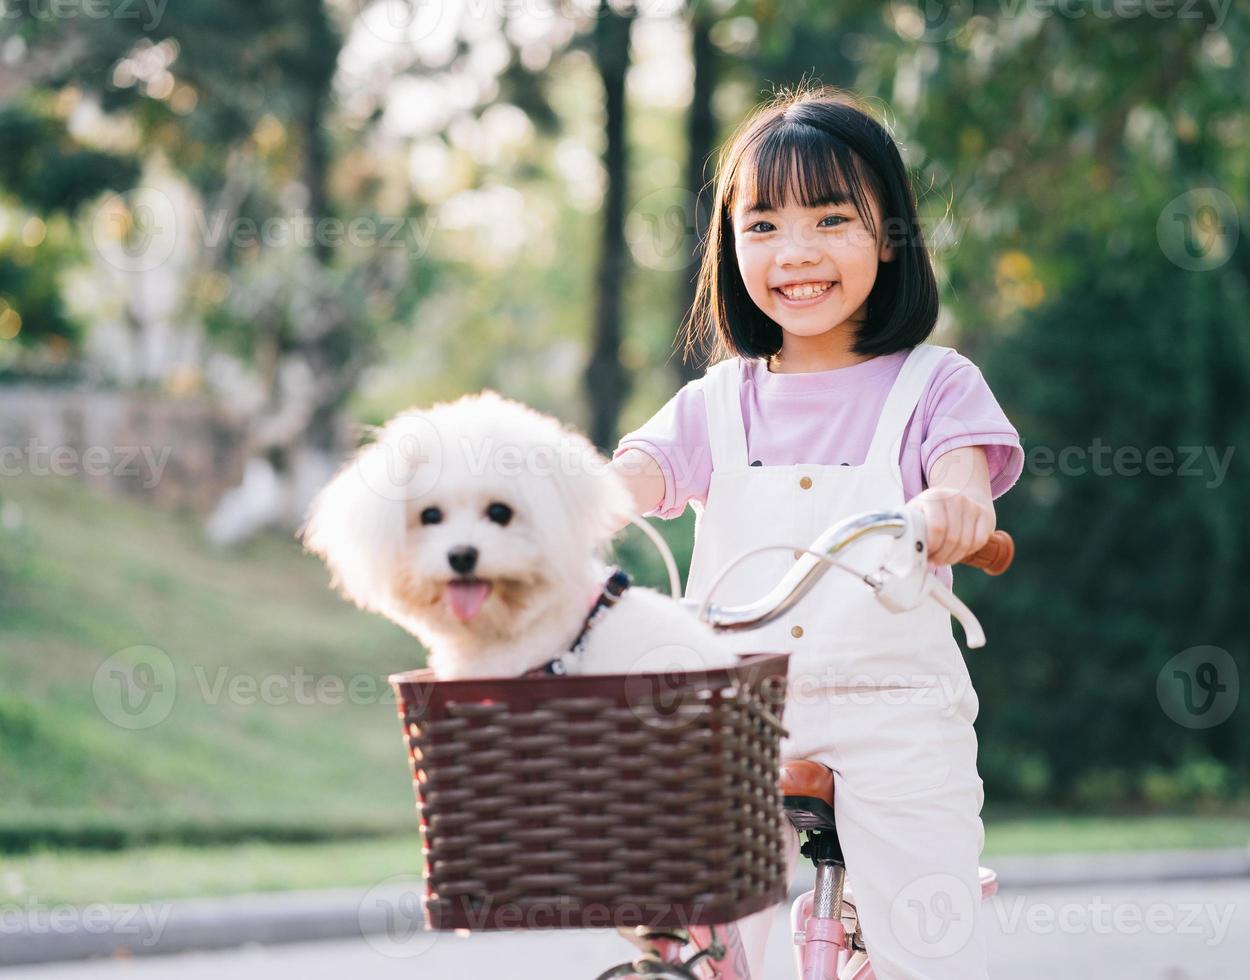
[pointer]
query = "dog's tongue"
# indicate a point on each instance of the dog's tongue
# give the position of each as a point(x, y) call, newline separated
point(466, 598)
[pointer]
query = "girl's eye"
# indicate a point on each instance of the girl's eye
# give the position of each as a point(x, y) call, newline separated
point(841, 219)
point(757, 224)
point(431, 515)
point(501, 514)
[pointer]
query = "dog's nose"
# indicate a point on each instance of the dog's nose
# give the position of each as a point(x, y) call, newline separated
point(462, 560)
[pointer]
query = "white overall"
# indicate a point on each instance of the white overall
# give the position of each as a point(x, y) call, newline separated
point(883, 699)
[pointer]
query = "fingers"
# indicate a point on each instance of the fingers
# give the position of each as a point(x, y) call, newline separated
point(957, 526)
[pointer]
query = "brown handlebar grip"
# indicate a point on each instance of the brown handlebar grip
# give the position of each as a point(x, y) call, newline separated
point(995, 558)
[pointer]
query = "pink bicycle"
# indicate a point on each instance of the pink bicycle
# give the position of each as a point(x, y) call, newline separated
point(828, 941)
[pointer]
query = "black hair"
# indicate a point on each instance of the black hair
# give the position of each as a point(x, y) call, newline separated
point(825, 146)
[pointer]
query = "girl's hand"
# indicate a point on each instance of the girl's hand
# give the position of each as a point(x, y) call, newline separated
point(958, 508)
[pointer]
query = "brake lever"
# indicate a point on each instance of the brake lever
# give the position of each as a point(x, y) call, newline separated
point(903, 580)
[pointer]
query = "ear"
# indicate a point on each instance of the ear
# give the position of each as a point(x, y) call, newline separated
point(357, 524)
point(597, 498)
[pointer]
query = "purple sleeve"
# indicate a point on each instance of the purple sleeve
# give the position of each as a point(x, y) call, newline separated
point(676, 438)
point(960, 410)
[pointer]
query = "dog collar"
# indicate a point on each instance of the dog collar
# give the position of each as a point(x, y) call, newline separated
point(618, 581)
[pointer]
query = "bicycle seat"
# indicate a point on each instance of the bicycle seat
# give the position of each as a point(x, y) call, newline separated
point(807, 791)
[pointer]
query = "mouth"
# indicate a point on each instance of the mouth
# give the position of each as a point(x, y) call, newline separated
point(804, 294)
point(465, 596)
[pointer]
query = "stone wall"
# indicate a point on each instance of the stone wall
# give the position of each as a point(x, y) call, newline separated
point(181, 453)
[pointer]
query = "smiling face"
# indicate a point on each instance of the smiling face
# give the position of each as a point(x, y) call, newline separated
point(808, 258)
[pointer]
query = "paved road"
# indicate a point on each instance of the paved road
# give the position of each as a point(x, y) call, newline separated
point(1177, 931)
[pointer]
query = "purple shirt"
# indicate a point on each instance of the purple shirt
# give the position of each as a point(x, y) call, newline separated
point(828, 417)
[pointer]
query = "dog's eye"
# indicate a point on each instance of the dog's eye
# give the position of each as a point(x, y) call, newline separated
point(499, 513)
point(431, 515)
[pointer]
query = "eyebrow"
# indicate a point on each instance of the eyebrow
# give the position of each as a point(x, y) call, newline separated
point(758, 207)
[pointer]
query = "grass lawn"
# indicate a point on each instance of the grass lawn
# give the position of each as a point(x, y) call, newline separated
point(1059, 833)
point(280, 710)
point(171, 871)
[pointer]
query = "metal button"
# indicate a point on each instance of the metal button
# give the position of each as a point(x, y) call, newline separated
point(796, 631)
point(806, 483)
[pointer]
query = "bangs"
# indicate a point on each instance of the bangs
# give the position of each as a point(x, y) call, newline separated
point(797, 162)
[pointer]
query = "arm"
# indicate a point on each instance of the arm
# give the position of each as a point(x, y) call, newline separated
point(958, 506)
point(644, 478)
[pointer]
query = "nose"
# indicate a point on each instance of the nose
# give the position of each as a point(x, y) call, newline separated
point(797, 247)
point(463, 559)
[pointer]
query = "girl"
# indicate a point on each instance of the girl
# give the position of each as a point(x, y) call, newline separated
point(816, 294)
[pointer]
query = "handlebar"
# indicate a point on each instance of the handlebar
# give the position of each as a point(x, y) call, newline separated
point(994, 559)
point(995, 556)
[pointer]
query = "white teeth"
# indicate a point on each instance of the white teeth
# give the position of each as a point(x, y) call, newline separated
point(805, 291)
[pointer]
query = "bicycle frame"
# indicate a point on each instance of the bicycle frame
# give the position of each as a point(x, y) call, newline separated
point(822, 950)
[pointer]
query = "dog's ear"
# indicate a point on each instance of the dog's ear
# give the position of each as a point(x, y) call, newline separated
point(357, 522)
point(596, 499)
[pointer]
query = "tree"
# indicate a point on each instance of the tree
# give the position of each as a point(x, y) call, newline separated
point(605, 378)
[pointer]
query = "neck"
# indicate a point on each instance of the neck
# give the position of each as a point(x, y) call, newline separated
point(822, 352)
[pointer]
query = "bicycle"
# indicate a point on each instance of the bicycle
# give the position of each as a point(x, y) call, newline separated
point(828, 940)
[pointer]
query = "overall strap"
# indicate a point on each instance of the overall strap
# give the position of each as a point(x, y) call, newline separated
point(727, 437)
point(901, 403)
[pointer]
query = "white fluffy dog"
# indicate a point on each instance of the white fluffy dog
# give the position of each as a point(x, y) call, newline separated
point(480, 526)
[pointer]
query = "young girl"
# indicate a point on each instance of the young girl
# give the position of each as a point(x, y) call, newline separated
point(816, 294)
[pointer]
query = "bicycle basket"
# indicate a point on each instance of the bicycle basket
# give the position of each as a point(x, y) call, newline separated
point(597, 801)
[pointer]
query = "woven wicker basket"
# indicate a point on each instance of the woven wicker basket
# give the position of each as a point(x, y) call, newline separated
point(594, 801)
